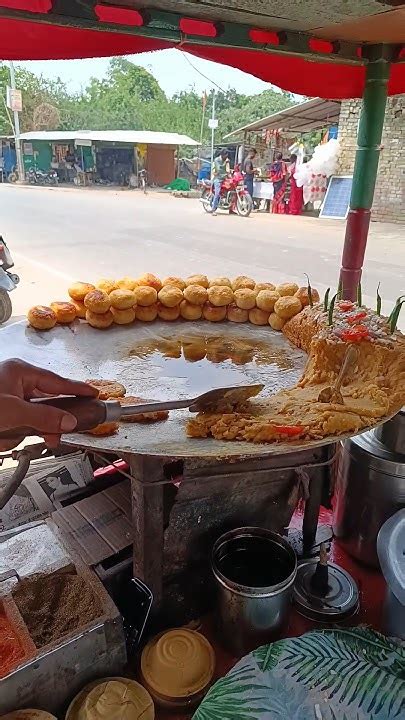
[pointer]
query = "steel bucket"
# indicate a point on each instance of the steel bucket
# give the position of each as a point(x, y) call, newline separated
point(255, 570)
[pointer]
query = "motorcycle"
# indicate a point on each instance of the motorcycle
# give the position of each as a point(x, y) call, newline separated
point(8, 282)
point(234, 197)
point(39, 177)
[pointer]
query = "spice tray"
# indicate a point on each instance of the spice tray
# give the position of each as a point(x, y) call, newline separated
point(49, 676)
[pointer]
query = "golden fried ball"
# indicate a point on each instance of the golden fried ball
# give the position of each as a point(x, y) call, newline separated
point(188, 311)
point(198, 280)
point(212, 313)
point(266, 299)
point(302, 295)
point(65, 312)
point(220, 295)
point(168, 313)
point(264, 286)
point(195, 294)
point(287, 307)
point(104, 429)
point(175, 281)
point(79, 290)
point(41, 317)
point(126, 283)
point(276, 322)
point(237, 314)
point(220, 281)
point(150, 280)
point(97, 301)
point(194, 351)
point(258, 317)
point(286, 289)
point(123, 317)
point(80, 309)
point(170, 296)
point(106, 284)
point(155, 416)
point(145, 295)
point(108, 388)
point(99, 320)
point(245, 298)
point(242, 281)
point(147, 313)
point(122, 299)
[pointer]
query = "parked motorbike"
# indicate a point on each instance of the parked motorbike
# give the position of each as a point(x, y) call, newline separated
point(39, 177)
point(8, 282)
point(234, 196)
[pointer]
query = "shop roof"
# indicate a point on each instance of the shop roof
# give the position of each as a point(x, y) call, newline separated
point(312, 48)
point(134, 137)
point(303, 117)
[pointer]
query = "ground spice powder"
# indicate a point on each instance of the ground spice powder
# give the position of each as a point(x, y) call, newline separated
point(11, 648)
point(53, 605)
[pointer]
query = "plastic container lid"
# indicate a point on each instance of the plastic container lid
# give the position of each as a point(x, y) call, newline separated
point(112, 699)
point(178, 665)
point(28, 714)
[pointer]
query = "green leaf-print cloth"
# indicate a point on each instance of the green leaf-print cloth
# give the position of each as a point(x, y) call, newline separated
point(351, 674)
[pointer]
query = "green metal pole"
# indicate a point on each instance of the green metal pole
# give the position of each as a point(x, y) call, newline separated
point(365, 170)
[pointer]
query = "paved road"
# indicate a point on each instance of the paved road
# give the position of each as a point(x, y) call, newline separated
point(61, 234)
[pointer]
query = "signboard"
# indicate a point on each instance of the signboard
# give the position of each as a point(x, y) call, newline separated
point(84, 142)
point(28, 148)
point(337, 198)
point(213, 123)
point(14, 99)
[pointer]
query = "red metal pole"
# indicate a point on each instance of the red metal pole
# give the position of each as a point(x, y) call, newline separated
point(365, 171)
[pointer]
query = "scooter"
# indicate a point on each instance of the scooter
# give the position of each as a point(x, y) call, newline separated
point(8, 282)
point(234, 196)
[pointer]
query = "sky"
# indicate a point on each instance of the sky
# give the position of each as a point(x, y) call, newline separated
point(171, 68)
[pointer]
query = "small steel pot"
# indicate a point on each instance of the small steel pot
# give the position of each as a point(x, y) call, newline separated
point(255, 570)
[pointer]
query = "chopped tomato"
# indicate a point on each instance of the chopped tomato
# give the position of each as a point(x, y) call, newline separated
point(346, 305)
point(355, 334)
point(290, 430)
point(354, 319)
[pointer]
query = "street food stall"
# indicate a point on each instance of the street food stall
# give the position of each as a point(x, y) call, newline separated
point(212, 493)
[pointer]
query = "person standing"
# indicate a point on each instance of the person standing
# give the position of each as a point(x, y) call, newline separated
point(249, 171)
point(278, 175)
point(296, 200)
point(220, 169)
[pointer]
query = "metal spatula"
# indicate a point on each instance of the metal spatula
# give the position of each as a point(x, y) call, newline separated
point(90, 413)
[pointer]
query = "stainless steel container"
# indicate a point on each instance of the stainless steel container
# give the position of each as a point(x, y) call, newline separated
point(370, 488)
point(255, 571)
point(391, 553)
point(392, 433)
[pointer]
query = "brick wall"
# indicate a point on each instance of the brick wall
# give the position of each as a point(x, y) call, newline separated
point(389, 197)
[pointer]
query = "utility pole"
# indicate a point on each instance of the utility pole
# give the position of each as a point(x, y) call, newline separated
point(20, 163)
point(213, 124)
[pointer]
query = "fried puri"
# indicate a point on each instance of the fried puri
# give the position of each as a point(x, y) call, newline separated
point(170, 296)
point(264, 286)
point(276, 322)
point(188, 311)
point(79, 290)
point(175, 281)
point(150, 280)
point(220, 295)
point(237, 314)
point(108, 388)
point(245, 298)
point(41, 317)
point(287, 306)
point(146, 314)
point(242, 281)
point(126, 283)
point(123, 317)
point(258, 317)
point(286, 289)
point(195, 294)
point(107, 285)
point(303, 297)
point(65, 312)
point(97, 301)
point(141, 417)
point(212, 313)
point(80, 309)
point(220, 281)
point(266, 299)
point(170, 314)
point(99, 320)
point(198, 280)
point(145, 295)
point(122, 299)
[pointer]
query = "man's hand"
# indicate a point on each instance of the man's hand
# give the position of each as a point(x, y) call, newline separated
point(19, 383)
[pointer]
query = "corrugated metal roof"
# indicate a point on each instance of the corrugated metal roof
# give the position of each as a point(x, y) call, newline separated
point(309, 115)
point(134, 137)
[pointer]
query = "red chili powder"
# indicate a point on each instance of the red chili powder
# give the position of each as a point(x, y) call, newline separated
point(11, 648)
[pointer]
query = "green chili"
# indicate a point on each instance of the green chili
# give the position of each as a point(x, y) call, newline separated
point(331, 309)
point(340, 290)
point(393, 311)
point(309, 291)
point(378, 300)
point(395, 315)
point(359, 295)
point(326, 300)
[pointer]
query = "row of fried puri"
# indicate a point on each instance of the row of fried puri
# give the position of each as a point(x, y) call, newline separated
point(147, 298)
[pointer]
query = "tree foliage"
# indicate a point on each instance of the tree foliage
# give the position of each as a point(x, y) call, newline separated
point(130, 98)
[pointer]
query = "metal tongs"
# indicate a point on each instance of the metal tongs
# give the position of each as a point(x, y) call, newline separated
point(23, 457)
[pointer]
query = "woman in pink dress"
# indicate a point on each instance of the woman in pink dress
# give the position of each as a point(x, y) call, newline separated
point(296, 193)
